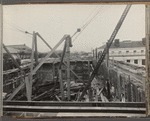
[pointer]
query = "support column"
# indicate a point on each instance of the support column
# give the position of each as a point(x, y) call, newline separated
point(31, 69)
point(53, 71)
point(107, 56)
point(36, 52)
point(89, 68)
point(96, 54)
point(68, 42)
point(61, 84)
point(93, 54)
point(131, 92)
point(119, 91)
point(28, 90)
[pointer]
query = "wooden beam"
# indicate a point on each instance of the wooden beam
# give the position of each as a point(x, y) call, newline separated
point(36, 52)
point(16, 91)
point(119, 90)
point(107, 56)
point(61, 84)
point(28, 90)
point(48, 55)
point(68, 39)
point(57, 55)
point(29, 80)
point(96, 54)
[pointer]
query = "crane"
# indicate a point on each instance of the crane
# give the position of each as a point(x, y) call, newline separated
point(112, 37)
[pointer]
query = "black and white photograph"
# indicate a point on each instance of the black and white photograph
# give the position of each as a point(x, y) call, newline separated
point(74, 60)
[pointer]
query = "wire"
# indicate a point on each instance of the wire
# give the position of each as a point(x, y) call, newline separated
point(85, 25)
point(17, 28)
point(89, 15)
point(91, 19)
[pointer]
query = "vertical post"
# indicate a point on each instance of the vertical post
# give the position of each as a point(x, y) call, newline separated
point(93, 54)
point(96, 54)
point(68, 40)
point(131, 92)
point(89, 68)
point(31, 69)
point(53, 71)
point(61, 84)
point(136, 94)
point(107, 56)
point(28, 90)
point(119, 91)
point(36, 52)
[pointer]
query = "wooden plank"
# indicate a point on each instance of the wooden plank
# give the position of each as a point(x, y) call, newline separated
point(31, 69)
point(36, 52)
point(28, 91)
point(68, 39)
point(107, 56)
point(61, 84)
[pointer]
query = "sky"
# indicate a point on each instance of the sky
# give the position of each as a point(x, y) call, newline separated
point(53, 21)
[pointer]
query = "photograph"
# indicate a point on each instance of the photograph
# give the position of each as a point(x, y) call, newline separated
point(66, 60)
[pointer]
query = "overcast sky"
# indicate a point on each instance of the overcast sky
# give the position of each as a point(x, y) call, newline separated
point(54, 21)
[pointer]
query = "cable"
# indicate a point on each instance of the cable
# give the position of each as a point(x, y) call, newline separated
point(91, 19)
point(14, 25)
point(85, 25)
point(17, 28)
point(89, 15)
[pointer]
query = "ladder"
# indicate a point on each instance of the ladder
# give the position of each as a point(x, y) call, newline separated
point(105, 50)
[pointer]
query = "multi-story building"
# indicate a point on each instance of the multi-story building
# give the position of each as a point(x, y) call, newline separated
point(132, 52)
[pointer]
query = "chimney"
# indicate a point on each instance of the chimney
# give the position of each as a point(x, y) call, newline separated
point(116, 43)
point(144, 41)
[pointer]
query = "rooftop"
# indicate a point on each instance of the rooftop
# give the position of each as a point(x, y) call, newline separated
point(126, 44)
point(11, 50)
point(21, 47)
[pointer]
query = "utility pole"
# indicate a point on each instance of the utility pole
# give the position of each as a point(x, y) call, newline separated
point(68, 45)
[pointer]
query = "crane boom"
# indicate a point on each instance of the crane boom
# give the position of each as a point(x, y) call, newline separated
point(105, 50)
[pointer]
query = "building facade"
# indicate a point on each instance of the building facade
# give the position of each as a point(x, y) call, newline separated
point(132, 52)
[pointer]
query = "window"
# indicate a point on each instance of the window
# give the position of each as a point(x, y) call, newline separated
point(119, 52)
point(128, 61)
point(143, 61)
point(136, 61)
point(127, 51)
point(142, 51)
point(134, 51)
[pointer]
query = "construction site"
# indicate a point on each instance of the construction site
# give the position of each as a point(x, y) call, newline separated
point(41, 86)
